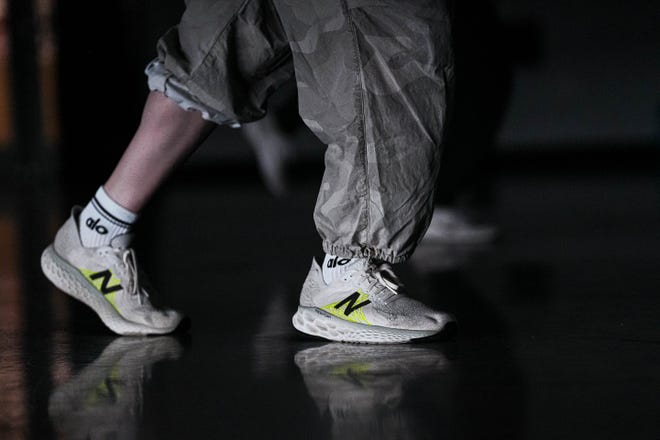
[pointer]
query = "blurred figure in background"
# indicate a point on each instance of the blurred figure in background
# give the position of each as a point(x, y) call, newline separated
point(273, 139)
point(465, 193)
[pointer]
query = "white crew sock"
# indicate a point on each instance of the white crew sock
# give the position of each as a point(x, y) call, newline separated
point(334, 267)
point(103, 219)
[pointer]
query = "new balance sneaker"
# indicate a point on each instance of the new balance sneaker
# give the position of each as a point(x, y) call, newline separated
point(366, 304)
point(107, 279)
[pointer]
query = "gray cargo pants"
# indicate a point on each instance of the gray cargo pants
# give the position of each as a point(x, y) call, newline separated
point(373, 78)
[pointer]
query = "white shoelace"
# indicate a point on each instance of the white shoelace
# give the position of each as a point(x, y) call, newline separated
point(129, 262)
point(383, 275)
point(128, 257)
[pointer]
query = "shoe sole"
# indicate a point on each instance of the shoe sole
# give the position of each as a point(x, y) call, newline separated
point(68, 279)
point(316, 322)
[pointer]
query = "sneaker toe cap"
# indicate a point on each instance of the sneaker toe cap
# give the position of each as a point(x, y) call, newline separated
point(164, 319)
point(437, 320)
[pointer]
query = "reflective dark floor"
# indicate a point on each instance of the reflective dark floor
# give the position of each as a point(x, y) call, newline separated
point(559, 336)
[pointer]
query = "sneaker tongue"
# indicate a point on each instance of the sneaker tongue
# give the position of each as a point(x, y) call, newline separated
point(354, 264)
point(122, 241)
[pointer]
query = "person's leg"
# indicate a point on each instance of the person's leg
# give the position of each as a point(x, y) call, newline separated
point(217, 66)
point(373, 79)
point(167, 134)
point(91, 258)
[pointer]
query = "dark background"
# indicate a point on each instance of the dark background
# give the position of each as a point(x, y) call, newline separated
point(559, 334)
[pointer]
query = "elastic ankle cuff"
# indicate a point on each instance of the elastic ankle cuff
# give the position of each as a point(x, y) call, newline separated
point(356, 251)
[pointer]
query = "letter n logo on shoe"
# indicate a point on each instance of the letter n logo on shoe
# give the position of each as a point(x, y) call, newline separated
point(353, 308)
point(105, 281)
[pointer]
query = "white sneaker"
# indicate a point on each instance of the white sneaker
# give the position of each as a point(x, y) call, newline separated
point(107, 279)
point(451, 226)
point(366, 304)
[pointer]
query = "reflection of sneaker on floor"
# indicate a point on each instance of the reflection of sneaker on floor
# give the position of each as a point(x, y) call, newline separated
point(366, 304)
point(105, 399)
point(453, 226)
point(362, 387)
point(107, 279)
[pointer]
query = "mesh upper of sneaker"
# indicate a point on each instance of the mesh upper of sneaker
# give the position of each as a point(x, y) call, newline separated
point(133, 301)
point(388, 305)
point(399, 310)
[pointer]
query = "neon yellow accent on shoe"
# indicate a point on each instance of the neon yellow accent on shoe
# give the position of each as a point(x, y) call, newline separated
point(108, 391)
point(351, 369)
point(356, 316)
point(111, 299)
point(104, 283)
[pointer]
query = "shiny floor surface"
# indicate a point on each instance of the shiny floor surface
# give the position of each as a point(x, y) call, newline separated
point(559, 325)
